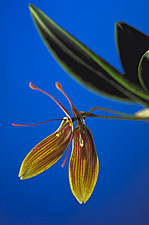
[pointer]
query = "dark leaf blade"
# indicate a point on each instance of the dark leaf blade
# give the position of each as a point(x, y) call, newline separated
point(143, 71)
point(131, 45)
point(80, 71)
point(83, 64)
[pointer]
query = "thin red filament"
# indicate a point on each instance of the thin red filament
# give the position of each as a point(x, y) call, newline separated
point(59, 87)
point(63, 164)
point(30, 125)
point(74, 110)
point(32, 86)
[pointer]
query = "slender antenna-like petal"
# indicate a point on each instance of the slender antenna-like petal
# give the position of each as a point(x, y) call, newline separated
point(84, 165)
point(47, 152)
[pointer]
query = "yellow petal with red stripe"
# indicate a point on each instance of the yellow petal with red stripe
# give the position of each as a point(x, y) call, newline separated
point(83, 165)
point(47, 152)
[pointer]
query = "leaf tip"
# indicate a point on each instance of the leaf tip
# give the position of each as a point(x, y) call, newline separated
point(32, 9)
point(31, 6)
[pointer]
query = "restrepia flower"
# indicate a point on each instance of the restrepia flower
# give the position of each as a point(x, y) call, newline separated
point(83, 164)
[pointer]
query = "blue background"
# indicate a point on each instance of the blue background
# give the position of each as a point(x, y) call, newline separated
point(121, 195)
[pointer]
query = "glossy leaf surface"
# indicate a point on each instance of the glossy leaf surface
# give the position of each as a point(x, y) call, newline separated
point(131, 45)
point(143, 71)
point(83, 64)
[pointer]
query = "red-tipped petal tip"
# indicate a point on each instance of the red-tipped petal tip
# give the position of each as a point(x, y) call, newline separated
point(58, 86)
point(31, 85)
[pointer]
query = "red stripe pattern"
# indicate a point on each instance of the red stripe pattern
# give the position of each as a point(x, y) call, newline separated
point(83, 165)
point(47, 152)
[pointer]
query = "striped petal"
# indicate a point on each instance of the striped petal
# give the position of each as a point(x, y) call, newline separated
point(47, 152)
point(84, 165)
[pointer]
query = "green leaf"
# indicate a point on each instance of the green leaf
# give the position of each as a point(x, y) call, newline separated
point(131, 45)
point(83, 64)
point(143, 71)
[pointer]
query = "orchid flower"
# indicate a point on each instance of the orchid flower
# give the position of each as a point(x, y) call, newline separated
point(83, 164)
